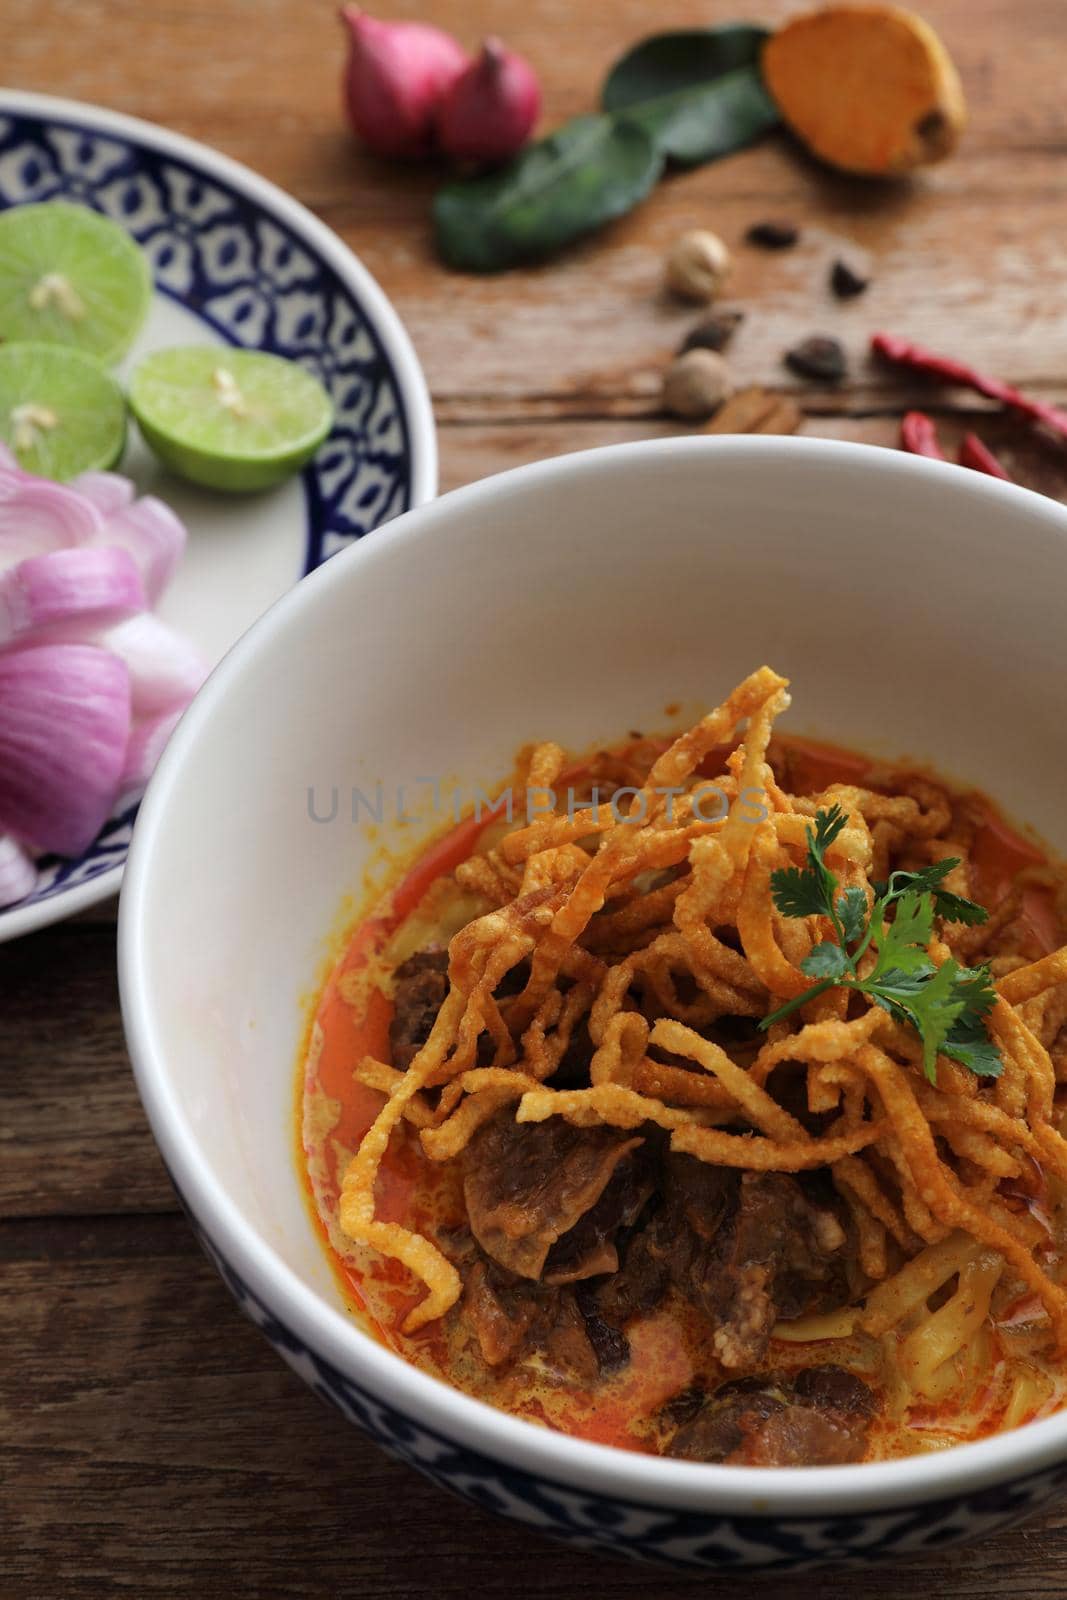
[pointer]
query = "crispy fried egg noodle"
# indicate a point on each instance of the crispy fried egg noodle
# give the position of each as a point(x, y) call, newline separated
point(647, 922)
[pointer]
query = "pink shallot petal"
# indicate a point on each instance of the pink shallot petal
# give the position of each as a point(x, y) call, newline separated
point(68, 594)
point(63, 739)
point(148, 739)
point(18, 874)
point(108, 491)
point(165, 669)
point(37, 517)
point(153, 535)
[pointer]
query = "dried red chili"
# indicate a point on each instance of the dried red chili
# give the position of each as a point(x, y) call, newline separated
point(904, 354)
point(973, 453)
point(918, 434)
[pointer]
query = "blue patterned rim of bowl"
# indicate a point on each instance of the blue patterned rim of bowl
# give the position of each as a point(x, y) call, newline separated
point(259, 270)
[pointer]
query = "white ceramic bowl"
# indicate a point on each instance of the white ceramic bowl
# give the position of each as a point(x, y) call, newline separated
point(918, 609)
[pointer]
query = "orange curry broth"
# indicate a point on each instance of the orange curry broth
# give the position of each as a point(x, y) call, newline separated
point(665, 1345)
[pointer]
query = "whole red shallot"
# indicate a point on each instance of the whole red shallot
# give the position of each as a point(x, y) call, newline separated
point(395, 79)
point(490, 110)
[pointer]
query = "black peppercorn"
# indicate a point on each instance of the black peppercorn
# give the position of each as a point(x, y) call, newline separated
point(774, 234)
point(819, 357)
point(714, 333)
point(845, 281)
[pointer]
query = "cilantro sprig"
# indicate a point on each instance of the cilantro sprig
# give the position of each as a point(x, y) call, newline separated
point(945, 1005)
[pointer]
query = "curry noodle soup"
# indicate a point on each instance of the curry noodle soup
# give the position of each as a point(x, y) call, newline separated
point(712, 1113)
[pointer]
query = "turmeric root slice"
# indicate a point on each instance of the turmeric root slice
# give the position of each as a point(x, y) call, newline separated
point(868, 88)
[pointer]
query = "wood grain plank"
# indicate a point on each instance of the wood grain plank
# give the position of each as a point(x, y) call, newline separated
point(499, 338)
point(156, 1445)
point(73, 1137)
point(471, 452)
point(268, 65)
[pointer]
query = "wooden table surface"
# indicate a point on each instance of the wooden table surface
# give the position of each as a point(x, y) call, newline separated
point(151, 1442)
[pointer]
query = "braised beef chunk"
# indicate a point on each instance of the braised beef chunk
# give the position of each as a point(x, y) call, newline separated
point(831, 1388)
point(527, 1185)
point(699, 1195)
point(512, 1317)
point(590, 1247)
point(661, 1251)
point(573, 1069)
point(610, 1345)
point(682, 1407)
point(502, 1316)
point(727, 1421)
point(799, 1437)
point(420, 986)
point(820, 1419)
point(775, 1256)
point(575, 1230)
point(745, 1249)
point(567, 1345)
point(643, 1275)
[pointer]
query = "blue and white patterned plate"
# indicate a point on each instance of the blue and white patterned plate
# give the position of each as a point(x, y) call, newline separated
point(237, 262)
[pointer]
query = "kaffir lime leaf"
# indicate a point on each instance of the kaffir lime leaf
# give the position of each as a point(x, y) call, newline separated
point(69, 276)
point(60, 411)
point(231, 419)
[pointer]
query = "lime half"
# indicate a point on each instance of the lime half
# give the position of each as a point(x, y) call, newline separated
point(230, 419)
point(70, 276)
point(60, 411)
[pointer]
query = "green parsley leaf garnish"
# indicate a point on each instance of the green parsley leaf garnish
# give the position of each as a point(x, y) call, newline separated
point(927, 998)
point(809, 891)
point(945, 1005)
point(852, 909)
point(903, 941)
point(926, 878)
point(798, 893)
point(970, 1045)
point(952, 907)
point(826, 961)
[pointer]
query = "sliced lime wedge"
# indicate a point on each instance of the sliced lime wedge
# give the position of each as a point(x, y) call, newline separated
point(230, 419)
point(60, 411)
point(70, 276)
